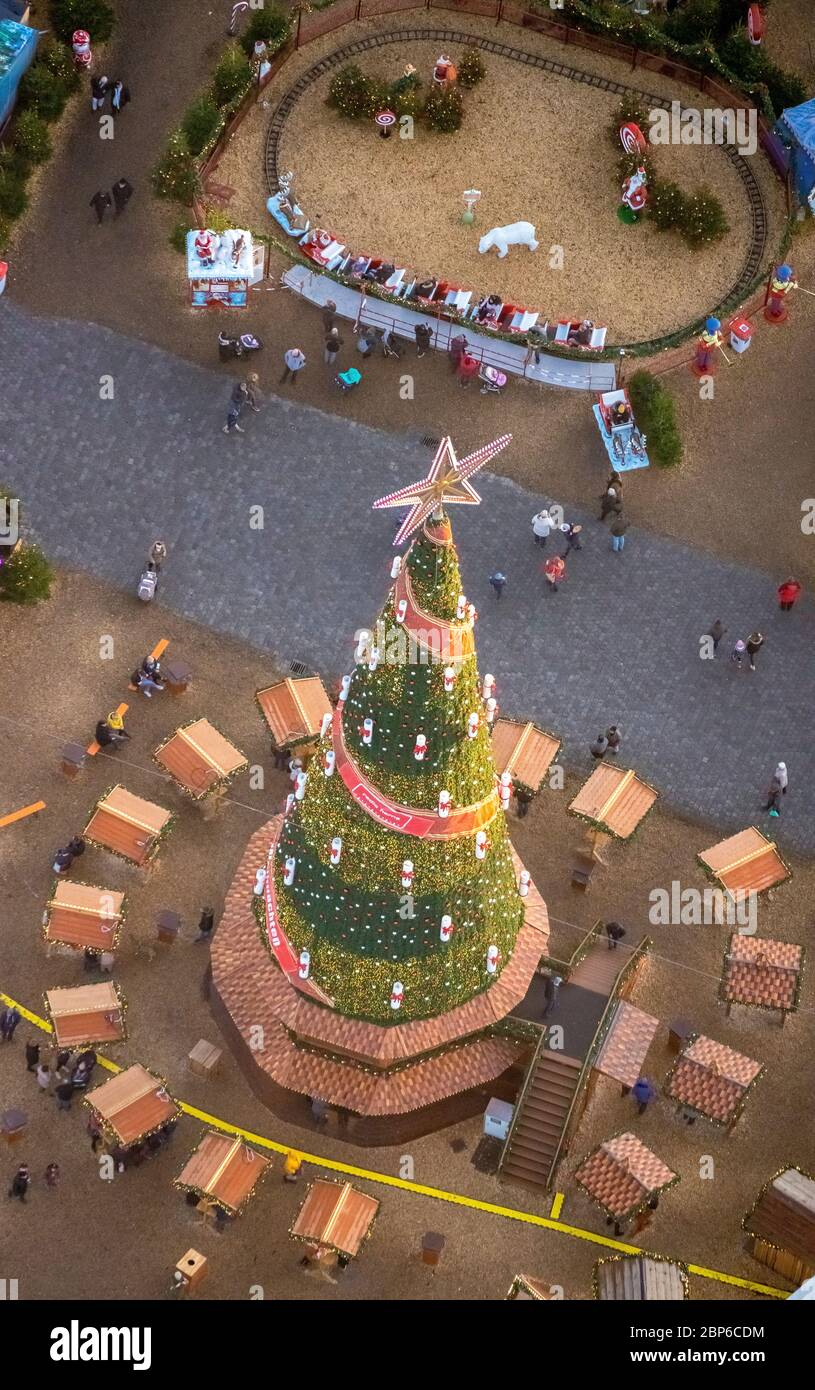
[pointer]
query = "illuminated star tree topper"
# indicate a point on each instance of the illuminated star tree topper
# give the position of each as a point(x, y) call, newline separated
point(446, 482)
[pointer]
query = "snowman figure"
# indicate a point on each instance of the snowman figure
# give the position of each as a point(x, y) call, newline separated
point(420, 747)
point(493, 957)
point(407, 873)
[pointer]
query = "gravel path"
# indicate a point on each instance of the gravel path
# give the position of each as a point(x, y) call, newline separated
point(619, 642)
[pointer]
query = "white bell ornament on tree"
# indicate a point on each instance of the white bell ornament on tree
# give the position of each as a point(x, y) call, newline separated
point(444, 804)
point(300, 788)
point(260, 882)
point(488, 686)
point(396, 567)
point(325, 725)
point(288, 871)
point(420, 748)
point(401, 610)
point(363, 642)
point(491, 706)
point(345, 686)
point(481, 844)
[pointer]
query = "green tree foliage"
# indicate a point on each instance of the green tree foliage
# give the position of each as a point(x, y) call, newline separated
point(31, 137)
point(653, 407)
point(27, 576)
point(471, 69)
point(695, 21)
point(175, 176)
point(59, 60)
point(271, 25)
point(444, 109)
point(704, 221)
point(43, 91)
point(13, 197)
point(232, 76)
point(94, 15)
point(201, 121)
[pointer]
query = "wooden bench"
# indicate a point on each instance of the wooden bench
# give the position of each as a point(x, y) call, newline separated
point(93, 748)
point(155, 655)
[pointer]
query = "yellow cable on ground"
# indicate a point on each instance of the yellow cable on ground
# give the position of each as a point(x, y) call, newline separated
point(549, 1223)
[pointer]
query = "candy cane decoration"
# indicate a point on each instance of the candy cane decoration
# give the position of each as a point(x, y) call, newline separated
point(288, 872)
point(444, 804)
point(237, 9)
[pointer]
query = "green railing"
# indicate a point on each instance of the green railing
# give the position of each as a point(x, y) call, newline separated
point(564, 968)
point(574, 1111)
point(519, 1104)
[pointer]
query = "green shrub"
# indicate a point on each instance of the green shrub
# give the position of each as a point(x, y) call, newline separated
point(15, 163)
point(59, 60)
point(784, 88)
point(232, 76)
point(178, 236)
point(704, 221)
point(175, 175)
point(444, 109)
point(27, 576)
point(471, 69)
point(743, 58)
point(628, 164)
point(697, 20)
point(31, 137)
point(200, 123)
point(654, 410)
point(270, 25)
point(407, 101)
point(94, 15)
point(348, 92)
point(667, 205)
point(13, 197)
point(5, 236)
point(43, 92)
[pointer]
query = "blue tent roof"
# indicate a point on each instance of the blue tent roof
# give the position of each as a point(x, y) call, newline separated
point(17, 47)
point(799, 122)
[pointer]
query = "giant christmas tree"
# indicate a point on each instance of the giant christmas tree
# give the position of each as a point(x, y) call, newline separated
point(392, 893)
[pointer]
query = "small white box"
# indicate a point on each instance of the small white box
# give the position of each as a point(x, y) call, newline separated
point(498, 1118)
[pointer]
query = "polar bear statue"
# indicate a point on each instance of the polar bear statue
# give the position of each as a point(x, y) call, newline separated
point(516, 234)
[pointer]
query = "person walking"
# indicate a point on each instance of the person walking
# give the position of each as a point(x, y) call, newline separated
point(20, 1183)
point(738, 653)
point(52, 1175)
point(158, 555)
point(498, 582)
point(119, 97)
point(328, 315)
point(643, 1093)
point(95, 1131)
point(614, 737)
point(753, 646)
point(554, 571)
point(716, 631)
point(618, 528)
point(542, 525)
point(610, 503)
point(523, 801)
point(100, 202)
point(456, 350)
point(64, 1094)
point(551, 985)
point(122, 193)
point(292, 1164)
point(243, 393)
point(206, 923)
point(99, 92)
point(788, 594)
point(9, 1023)
point(332, 345)
point(615, 934)
point(424, 337)
point(32, 1055)
point(571, 532)
point(43, 1078)
point(391, 346)
point(777, 789)
point(599, 748)
point(295, 361)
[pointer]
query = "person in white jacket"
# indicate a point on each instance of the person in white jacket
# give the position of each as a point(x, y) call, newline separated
point(542, 524)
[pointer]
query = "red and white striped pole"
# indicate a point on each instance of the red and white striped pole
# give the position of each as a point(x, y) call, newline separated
point(233, 19)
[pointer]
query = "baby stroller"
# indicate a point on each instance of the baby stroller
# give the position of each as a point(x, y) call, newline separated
point(348, 380)
point(148, 583)
point(492, 380)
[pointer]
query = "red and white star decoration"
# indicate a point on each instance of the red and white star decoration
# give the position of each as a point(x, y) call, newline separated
point(446, 482)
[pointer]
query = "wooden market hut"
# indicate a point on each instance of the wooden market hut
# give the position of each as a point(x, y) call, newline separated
point(712, 1080)
point(199, 758)
point(133, 1104)
point(336, 1216)
point(762, 972)
point(639, 1279)
point(625, 1047)
point(525, 751)
point(614, 800)
point(127, 824)
point(85, 917)
point(294, 710)
point(745, 863)
point(86, 1014)
point(223, 1171)
point(624, 1178)
point(782, 1225)
point(526, 1289)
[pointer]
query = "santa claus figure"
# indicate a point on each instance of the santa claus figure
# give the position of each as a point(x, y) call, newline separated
point(635, 190)
point(81, 45)
point(206, 244)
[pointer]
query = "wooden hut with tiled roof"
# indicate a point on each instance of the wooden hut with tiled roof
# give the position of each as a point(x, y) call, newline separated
point(86, 1014)
point(745, 863)
point(640, 1279)
point(128, 825)
point(85, 917)
point(524, 751)
point(199, 758)
point(712, 1080)
point(782, 1225)
point(223, 1170)
point(624, 1177)
point(294, 710)
point(131, 1105)
point(762, 972)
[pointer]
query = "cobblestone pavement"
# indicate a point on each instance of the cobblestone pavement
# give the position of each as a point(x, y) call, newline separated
point(619, 642)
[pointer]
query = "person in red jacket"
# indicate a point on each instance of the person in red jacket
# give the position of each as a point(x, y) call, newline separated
point(788, 593)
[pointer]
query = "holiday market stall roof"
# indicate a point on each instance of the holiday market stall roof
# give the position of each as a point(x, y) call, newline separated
point(761, 971)
point(18, 44)
point(223, 1169)
point(82, 916)
point(199, 758)
point(336, 1215)
point(712, 1079)
point(523, 750)
point(86, 1014)
point(626, 1044)
point(797, 124)
point(525, 1289)
point(639, 1279)
point(126, 824)
point(784, 1214)
point(294, 709)
point(132, 1104)
point(622, 1174)
point(614, 799)
point(745, 863)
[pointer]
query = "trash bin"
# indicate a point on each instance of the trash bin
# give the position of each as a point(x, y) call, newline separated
point(168, 925)
point(73, 759)
point(176, 677)
point(432, 1246)
point(741, 334)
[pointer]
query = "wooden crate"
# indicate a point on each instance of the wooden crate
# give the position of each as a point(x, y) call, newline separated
point(204, 1058)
